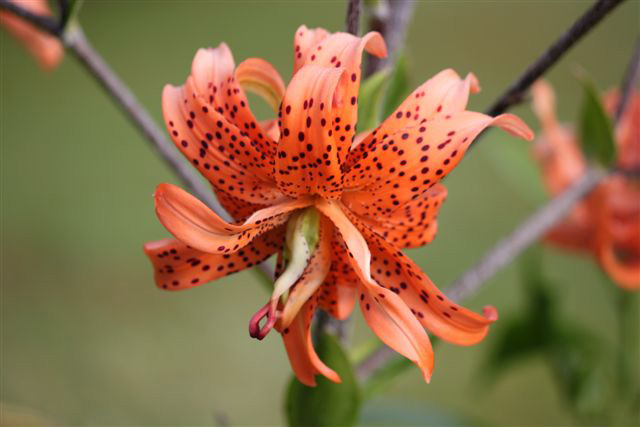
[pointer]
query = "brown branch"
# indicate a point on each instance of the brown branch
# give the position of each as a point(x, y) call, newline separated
point(353, 16)
point(515, 93)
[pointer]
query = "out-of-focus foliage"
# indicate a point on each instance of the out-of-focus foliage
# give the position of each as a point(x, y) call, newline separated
point(596, 130)
point(399, 86)
point(328, 404)
point(574, 355)
point(370, 100)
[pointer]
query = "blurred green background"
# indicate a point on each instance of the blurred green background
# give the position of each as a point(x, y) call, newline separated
point(86, 336)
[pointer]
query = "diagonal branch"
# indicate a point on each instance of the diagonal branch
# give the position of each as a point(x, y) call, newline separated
point(353, 16)
point(515, 93)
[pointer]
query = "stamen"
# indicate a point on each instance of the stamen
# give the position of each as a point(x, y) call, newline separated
point(268, 311)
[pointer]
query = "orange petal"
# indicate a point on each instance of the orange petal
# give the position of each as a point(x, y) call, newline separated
point(308, 159)
point(46, 48)
point(314, 274)
point(192, 222)
point(259, 76)
point(297, 340)
point(213, 74)
point(618, 230)
point(343, 50)
point(624, 272)
point(414, 224)
point(628, 135)
point(404, 164)
point(304, 40)
point(178, 266)
point(401, 276)
point(387, 315)
point(338, 293)
point(556, 150)
point(444, 94)
point(239, 209)
point(220, 151)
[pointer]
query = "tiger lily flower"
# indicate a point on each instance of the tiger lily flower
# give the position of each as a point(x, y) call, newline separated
point(363, 201)
point(47, 49)
point(606, 224)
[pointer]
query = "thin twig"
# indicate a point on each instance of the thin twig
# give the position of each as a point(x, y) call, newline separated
point(515, 93)
point(391, 19)
point(124, 98)
point(353, 16)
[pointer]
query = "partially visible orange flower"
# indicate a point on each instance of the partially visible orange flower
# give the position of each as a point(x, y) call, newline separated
point(372, 195)
point(47, 49)
point(606, 223)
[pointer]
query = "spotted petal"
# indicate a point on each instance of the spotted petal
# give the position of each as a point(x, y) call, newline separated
point(308, 159)
point(192, 222)
point(408, 162)
point(414, 224)
point(221, 152)
point(178, 266)
point(338, 293)
point(343, 50)
point(397, 272)
point(385, 312)
point(444, 94)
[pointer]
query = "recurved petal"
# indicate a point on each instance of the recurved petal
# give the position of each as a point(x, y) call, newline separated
point(304, 41)
point(618, 232)
point(444, 94)
point(556, 149)
point(387, 315)
point(621, 264)
point(224, 154)
point(260, 77)
point(308, 160)
point(46, 48)
point(303, 358)
point(407, 163)
point(401, 276)
point(343, 50)
point(178, 266)
point(192, 222)
point(214, 80)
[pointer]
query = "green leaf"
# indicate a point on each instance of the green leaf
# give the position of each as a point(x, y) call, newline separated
point(398, 86)
point(327, 404)
point(596, 130)
point(370, 100)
